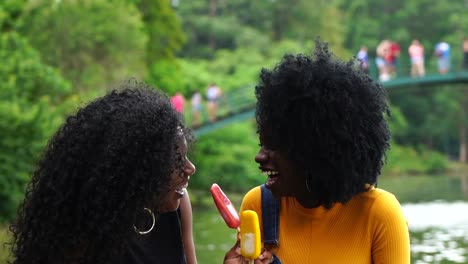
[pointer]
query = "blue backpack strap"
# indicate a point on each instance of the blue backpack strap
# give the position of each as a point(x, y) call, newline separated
point(270, 217)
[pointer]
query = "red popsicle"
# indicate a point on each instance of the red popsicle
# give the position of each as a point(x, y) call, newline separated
point(225, 207)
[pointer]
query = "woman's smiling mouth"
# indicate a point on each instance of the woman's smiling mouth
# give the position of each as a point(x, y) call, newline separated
point(272, 177)
point(182, 189)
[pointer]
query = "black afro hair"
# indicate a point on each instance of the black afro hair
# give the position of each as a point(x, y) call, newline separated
point(329, 117)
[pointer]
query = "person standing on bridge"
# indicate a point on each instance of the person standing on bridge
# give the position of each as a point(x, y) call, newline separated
point(393, 58)
point(178, 101)
point(363, 58)
point(196, 102)
point(383, 51)
point(323, 137)
point(465, 53)
point(416, 53)
point(442, 52)
point(213, 95)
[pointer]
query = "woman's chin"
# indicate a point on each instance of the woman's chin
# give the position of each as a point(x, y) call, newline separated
point(172, 203)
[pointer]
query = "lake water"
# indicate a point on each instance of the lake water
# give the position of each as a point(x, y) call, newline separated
point(439, 231)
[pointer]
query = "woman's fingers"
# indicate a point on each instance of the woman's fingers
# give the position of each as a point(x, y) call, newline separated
point(233, 256)
point(265, 258)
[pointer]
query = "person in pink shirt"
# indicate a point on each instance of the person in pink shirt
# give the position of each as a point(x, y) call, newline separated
point(465, 53)
point(416, 53)
point(178, 101)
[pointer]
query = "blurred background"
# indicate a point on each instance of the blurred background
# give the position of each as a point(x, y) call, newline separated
point(56, 55)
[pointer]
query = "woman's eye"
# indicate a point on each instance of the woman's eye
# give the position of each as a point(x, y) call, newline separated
point(270, 148)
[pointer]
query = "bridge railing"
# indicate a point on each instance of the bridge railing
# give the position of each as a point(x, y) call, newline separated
point(240, 103)
point(231, 103)
point(403, 67)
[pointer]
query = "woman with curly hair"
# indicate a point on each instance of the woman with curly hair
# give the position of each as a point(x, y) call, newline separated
point(323, 137)
point(108, 185)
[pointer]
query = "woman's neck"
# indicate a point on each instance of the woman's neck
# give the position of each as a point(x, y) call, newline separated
point(307, 202)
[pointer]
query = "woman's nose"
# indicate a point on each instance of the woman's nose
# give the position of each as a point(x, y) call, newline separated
point(190, 168)
point(261, 156)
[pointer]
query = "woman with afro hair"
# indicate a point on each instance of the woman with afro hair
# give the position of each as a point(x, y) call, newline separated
point(323, 136)
point(108, 185)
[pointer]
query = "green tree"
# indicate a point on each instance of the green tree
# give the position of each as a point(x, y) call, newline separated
point(211, 26)
point(216, 25)
point(463, 125)
point(10, 12)
point(226, 157)
point(166, 75)
point(165, 35)
point(31, 108)
point(426, 111)
point(163, 28)
point(92, 42)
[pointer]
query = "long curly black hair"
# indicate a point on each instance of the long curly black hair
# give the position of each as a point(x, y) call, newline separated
point(104, 165)
point(329, 118)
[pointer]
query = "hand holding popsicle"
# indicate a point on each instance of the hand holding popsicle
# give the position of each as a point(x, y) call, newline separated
point(250, 244)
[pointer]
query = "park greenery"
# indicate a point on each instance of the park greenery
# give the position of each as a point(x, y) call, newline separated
point(58, 54)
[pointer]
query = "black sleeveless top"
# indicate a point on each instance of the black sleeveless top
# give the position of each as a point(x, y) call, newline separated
point(162, 245)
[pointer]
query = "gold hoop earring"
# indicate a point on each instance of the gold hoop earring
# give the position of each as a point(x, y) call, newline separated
point(152, 225)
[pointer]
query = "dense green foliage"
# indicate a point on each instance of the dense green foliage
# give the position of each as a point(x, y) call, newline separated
point(228, 24)
point(29, 113)
point(10, 11)
point(93, 43)
point(4, 248)
point(56, 54)
point(226, 157)
point(163, 29)
point(428, 110)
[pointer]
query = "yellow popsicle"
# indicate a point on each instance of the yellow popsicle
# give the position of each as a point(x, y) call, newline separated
point(250, 235)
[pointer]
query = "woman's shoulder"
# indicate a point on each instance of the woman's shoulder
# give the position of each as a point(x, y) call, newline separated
point(252, 198)
point(376, 193)
point(383, 203)
point(255, 191)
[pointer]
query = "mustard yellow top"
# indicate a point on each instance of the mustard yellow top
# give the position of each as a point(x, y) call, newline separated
point(371, 228)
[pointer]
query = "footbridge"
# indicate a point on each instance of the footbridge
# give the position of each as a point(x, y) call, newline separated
point(239, 105)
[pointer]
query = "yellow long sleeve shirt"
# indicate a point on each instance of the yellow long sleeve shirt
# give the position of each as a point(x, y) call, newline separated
point(371, 228)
